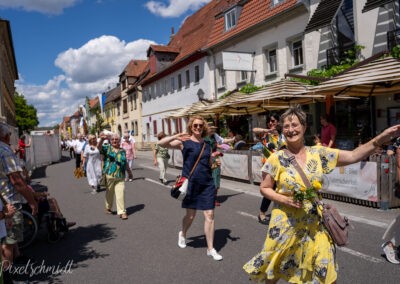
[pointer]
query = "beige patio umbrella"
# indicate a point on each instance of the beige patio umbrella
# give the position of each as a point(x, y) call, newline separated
point(278, 95)
point(368, 78)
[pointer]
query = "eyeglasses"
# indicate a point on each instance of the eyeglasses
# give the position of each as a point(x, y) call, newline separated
point(197, 125)
point(115, 139)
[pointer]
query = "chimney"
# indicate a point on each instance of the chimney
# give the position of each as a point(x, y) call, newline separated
point(172, 33)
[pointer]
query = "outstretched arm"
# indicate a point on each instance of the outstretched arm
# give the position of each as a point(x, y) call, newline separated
point(174, 141)
point(363, 151)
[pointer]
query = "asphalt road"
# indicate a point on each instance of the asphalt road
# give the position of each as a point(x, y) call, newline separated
point(102, 248)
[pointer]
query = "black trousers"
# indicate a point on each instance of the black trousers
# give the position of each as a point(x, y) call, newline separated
point(265, 204)
point(77, 160)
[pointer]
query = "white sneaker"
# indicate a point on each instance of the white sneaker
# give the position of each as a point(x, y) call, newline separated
point(390, 253)
point(215, 255)
point(181, 240)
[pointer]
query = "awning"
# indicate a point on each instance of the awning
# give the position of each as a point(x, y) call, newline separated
point(278, 95)
point(372, 4)
point(377, 77)
point(323, 15)
point(188, 110)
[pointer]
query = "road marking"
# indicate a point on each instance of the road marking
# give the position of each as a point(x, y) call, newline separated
point(343, 249)
point(378, 224)
point(360, 255)
point(367, 221)
point(247, 215)
point(156, 182)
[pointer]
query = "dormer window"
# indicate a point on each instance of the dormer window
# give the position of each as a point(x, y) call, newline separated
point(231, 19)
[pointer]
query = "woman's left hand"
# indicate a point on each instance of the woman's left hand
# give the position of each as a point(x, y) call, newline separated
point(390, 133)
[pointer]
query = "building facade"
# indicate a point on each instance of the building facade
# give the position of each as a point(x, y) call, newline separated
point(8, 74)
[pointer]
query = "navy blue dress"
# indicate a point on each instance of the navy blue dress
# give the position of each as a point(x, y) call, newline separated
point(201, 188)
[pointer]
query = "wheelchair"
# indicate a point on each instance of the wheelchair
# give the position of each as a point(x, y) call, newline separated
point(46, 221)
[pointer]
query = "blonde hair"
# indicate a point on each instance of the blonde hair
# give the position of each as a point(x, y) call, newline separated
point(90, 137)
point(294, 111)
point(190, 123)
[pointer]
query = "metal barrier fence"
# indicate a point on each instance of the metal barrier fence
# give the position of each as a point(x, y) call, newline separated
point(369, 183)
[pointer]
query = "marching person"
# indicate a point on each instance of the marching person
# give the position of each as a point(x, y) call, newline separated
point(298, 248)
point(215, 142)
point(271, 141)
point(92, 160)
point(129, 146)
point(78, 147)
point(114, 168)
point(201, 188)
point(161, 158)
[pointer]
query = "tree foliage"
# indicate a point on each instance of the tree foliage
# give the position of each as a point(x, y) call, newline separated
point(98, 126)
point(25, 115)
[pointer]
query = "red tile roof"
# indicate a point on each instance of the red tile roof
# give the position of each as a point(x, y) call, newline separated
point(206, 28)
point(253, 13)
point(135, 68)
point(93, 102)
point(163, 48)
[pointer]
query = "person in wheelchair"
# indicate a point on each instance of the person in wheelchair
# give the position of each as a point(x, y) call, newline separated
point(49, 211)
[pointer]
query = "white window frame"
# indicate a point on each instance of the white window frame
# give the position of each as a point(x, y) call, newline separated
point(221, 77)
point(187, 78)
point(196, 74)
point(243, 76)
point(179, 82)
point(230, 19)
point(272, 61)
point(295, 53)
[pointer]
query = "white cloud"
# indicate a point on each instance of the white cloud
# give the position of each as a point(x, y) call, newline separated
point(87, 71)
point(100, 58)
point(41, 6)
point(175, 8)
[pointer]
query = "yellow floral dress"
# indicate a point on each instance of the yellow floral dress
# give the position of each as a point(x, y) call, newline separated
point(297, 247)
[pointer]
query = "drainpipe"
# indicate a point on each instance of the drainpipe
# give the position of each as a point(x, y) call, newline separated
point(215, 97)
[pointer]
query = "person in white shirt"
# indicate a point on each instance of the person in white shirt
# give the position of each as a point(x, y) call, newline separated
point(78, 146)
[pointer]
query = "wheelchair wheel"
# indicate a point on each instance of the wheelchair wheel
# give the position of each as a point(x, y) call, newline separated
point(30, 229)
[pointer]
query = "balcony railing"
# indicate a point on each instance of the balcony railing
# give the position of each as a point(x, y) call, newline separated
point(393, 38)
point(337, 54)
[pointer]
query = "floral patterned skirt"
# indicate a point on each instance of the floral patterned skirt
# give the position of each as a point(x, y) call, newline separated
point(297, 249)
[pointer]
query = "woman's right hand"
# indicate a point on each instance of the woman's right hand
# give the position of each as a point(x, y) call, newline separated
point(289, 201)
point(155, 163)
point(182, 136)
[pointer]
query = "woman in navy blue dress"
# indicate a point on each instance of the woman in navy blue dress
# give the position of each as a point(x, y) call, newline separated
point(201, 188)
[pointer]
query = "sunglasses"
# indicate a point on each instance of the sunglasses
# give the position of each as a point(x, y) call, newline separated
point(197, 125)
point(115, 139)
point(273, 120)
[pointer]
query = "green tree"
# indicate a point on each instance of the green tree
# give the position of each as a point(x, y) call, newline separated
point(25, 115)
point(99, 122)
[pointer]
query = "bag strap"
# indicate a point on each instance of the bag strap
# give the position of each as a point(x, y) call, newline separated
point(303, 176)
point(293, 161)
point(198, 159)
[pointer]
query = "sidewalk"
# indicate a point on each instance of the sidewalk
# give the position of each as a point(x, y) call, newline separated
point(371, 216)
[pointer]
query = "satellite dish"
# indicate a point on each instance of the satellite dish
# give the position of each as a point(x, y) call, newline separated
point(200, 94)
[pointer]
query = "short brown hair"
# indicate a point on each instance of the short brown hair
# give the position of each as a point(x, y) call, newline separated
point(294, 111)
point(161, 135)
point(190, 123)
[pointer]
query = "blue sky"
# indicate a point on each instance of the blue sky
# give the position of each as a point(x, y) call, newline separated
point(69, 49)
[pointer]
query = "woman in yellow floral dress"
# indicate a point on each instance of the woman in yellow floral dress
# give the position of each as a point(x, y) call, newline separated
point(298, 248)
